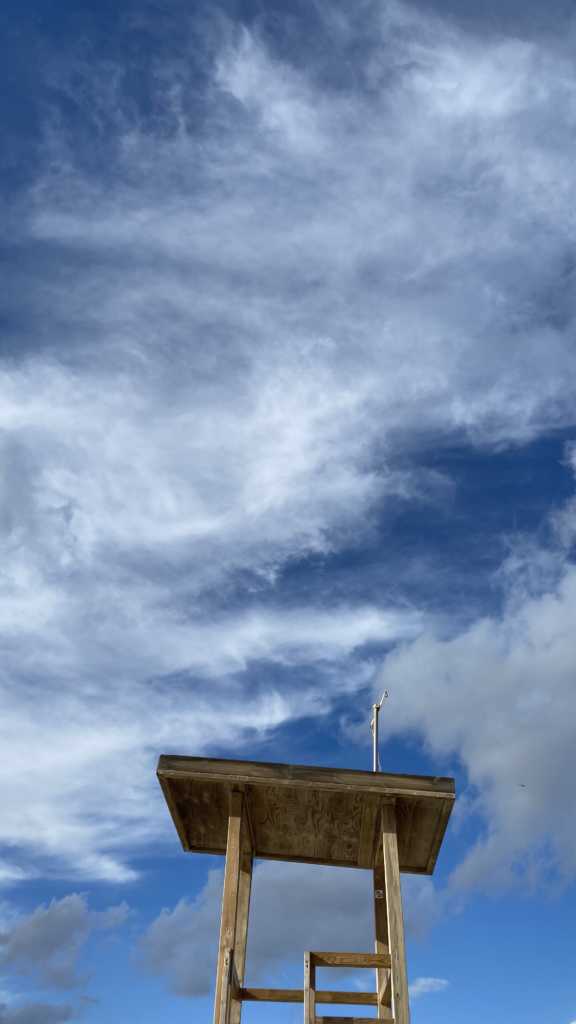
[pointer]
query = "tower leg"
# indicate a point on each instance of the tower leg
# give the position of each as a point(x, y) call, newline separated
point(234, 917)
point(241, 936)
point(383, 974)
point(395, 920)
point(309, 989)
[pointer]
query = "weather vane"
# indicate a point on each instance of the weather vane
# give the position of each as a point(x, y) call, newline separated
point(374, 730)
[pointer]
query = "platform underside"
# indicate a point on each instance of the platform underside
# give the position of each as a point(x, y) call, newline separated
point(307, 814)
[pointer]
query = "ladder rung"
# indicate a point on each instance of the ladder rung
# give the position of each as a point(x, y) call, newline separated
point(296, 995)
point(350, 959)
point(351, 1020)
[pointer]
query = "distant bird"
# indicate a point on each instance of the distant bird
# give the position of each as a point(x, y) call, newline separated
point(522, 785)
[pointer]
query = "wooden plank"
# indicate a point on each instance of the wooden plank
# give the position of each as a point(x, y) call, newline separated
point(296, 995)
point(173, 808)
point(248, 818)
point(407, 813)
point(384, 995)
point(400, 1005)
point(381, 944)
point(367, 840)
point(216, 852)
point(303, 821)
point(345, 998)
point(341, 959)
point(350, 1020)
point(309, 989)
point(229, 905)
point(222, 1009)
point(424, 830)
point(272, 995)
point(380, 783)
point(440, 830)
point(235, 987)
point(206, 804)
point(322, 825)
point(292, 859)
point(243, 910)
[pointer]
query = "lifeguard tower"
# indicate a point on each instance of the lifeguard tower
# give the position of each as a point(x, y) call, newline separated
point(374, 821)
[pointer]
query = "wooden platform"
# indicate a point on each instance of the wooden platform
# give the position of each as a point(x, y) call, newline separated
point(307, 814)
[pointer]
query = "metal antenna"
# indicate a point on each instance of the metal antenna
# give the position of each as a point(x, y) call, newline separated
point(374, 729)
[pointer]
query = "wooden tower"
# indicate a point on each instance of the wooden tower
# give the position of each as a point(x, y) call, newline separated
point(380, 822)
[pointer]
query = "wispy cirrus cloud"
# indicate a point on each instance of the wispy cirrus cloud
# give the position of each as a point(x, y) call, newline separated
point(237, 334)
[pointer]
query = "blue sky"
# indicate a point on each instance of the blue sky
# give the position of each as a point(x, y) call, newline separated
point(287, 416)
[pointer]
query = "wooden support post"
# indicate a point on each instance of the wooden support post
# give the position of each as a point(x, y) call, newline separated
point(243, 910)
point(383, 975)
point(229, 918)
point(226, 985)
point(400, 1005)
point(309, 989)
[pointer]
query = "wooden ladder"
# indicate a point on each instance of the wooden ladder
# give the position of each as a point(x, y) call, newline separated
point(310, 995)
point(381, 999)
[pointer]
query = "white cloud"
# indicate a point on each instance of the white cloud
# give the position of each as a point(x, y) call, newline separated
point(500, 696)
point(423, 986)
point(11, 872)
point(281, 100)
point(238, 341)
point(81, 729)
point(38, 1013)
point(45, 944)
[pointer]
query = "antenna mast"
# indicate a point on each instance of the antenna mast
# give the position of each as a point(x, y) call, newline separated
point(374, 729)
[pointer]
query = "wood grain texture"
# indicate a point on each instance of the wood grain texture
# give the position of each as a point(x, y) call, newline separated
point(306, 814)
point(380, 783)
point(384, 995)
point(296, 995)
point(382, 943)
point(321, 826)
point(242, 915)
point(341, 959)
point(367, 838)
point(441, 825)
point(400, 1005)
point(229, 910)
point(309, 990)
point(170, 794)
point(222, 1006)
point(409, 813)
point(349, 1020)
